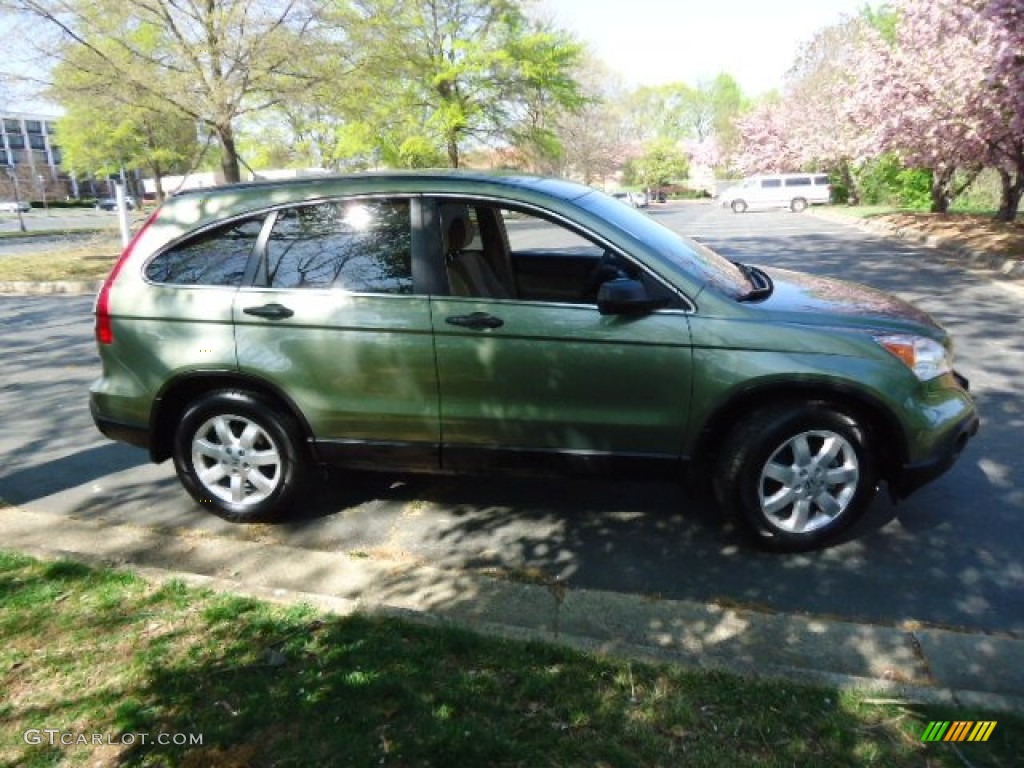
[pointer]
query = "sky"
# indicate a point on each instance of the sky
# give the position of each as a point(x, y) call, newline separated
point(651, 42)
point(660, 41)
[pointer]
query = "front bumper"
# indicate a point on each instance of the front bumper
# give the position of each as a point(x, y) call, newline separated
point(944, 452)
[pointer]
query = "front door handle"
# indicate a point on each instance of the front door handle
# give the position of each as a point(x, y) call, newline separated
point(270, 311)
point(477, 321)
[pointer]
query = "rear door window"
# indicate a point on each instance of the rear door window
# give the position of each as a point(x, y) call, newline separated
point(362, 246)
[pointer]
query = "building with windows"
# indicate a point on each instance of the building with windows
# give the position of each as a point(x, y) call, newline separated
point(29, 151)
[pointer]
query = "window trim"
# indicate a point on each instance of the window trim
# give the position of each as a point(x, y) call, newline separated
point(689, 306)
point(257, 256)
point(275, 214)
point(198, 232)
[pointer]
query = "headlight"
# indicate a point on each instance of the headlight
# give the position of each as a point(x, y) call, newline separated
point(926, 357)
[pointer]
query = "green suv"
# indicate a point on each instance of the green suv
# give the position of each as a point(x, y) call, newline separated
point(460, 322)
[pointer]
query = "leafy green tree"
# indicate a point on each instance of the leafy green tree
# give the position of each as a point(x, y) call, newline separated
point(211, 61)
point(727, 103)
point(661, 164)
point(443, 73)
point(98, 134)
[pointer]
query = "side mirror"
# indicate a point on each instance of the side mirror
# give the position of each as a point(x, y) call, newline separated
point(626, 297)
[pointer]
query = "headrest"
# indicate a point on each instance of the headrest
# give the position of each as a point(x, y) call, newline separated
point(456, 228)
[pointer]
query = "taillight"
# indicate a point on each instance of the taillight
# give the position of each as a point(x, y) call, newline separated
point(104, 327)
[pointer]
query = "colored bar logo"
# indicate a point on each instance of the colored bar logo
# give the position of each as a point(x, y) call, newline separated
point(958, 730)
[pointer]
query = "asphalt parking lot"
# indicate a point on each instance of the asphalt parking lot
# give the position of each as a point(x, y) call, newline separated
point(949, 555)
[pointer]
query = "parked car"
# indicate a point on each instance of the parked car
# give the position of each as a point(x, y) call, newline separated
point(795, 191)
point(10, 206)
point(110, 203)
point(407, 321)
point(635, 199)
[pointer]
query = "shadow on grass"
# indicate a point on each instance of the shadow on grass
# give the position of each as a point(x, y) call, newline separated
point(221, 681)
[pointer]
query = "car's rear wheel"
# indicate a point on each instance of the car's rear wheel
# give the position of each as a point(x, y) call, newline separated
point(796, 475)
point(738, 206)
point(239, 456)
point(798, 204)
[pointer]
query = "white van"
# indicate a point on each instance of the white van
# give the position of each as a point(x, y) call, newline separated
point(778, 190)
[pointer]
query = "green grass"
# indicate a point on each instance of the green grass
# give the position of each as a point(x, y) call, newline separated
point(99, 651)
point(85, 258)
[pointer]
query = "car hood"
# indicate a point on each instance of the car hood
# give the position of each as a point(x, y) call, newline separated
point(826, 301)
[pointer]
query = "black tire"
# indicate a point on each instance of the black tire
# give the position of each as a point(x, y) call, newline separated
point(738, 206)
point(249, 452)
point(798, 205)
point(796, 475)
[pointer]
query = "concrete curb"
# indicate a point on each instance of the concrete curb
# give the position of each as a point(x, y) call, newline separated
point(930, 665)
point(959, 255)
point(63, 287)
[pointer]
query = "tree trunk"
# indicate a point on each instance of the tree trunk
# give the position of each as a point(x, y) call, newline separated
point(852, 193)
point(158, 180)
point(229, 155)
point(453, 152)
point(941, 179)
point(1012, 189)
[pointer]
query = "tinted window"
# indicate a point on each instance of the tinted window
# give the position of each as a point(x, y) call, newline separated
point(363, 247)
point(771, 183)
point(799, 181)
point(216, 257)
point(821, 180)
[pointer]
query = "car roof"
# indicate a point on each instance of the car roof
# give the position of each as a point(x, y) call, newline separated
point(439, 180)
point(194, 209)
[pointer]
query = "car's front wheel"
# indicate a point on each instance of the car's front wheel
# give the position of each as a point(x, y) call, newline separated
point(796, 475)
point(738, 206)
point(798, 204)
point(239, 455)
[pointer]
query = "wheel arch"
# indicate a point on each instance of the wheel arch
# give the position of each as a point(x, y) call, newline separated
point(885, 433)
point(175, 396)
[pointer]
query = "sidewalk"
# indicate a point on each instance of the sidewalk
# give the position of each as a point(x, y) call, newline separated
point(918, 663)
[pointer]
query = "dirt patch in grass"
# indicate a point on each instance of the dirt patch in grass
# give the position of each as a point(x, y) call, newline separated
point(977, 232)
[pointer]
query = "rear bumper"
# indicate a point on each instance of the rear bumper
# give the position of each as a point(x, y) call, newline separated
point(943, 454)
point(122, 433)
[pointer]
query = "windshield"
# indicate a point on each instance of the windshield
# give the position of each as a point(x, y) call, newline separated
point(693, 257)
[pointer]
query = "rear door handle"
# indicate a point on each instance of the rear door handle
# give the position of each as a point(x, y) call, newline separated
point(270, 311)
point(477, 321)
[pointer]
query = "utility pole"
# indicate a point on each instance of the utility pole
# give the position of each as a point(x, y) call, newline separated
point(42, 186)
point(13, 173)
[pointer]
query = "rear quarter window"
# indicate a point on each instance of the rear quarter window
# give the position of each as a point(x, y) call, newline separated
point(215, 257)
